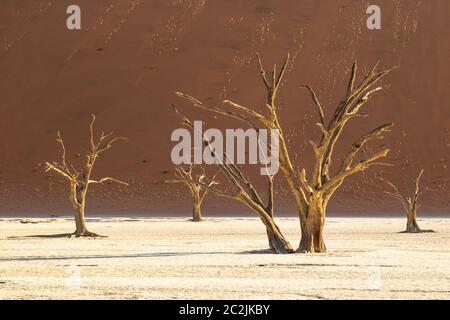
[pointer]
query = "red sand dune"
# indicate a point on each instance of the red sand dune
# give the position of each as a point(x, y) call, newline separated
point(131, 55)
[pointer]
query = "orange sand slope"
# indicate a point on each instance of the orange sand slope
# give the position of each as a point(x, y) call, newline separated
point(131, 55)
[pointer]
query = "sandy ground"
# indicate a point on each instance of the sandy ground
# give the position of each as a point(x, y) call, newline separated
point(221, 259)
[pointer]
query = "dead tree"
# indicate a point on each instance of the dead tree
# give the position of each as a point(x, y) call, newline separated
point(198, 192)
point(410, 204)
point(243, 191)
point(80, 180)
point(312, 195)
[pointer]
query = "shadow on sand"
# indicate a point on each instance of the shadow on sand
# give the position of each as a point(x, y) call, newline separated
point(421, 231)
point(137, 255)
point(44, 236)
point(55, 236)
point(259, 251)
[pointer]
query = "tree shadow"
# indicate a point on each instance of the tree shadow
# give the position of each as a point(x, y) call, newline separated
point(258, 251)
point(55, 236)
point(44, 236)
point(137, 255)
point(420, 231)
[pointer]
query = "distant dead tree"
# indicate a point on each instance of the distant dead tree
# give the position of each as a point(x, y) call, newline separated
point(81, 179)
point(243, 191)
point(312, 196)
point(194, 183)
point(410, 204)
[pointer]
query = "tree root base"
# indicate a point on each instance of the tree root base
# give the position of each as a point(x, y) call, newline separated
point(301, 250)
point(418, 231)
point(86, 234)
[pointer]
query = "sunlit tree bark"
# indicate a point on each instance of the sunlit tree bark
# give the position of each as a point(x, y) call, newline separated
point(198, 192)
point(242, 190)
point(313, 194)
point(410, 204)
point(79, 180)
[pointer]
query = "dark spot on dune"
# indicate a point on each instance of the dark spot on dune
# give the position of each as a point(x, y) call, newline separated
point(100, 49)
point(230, 46)
point(263, 9)
point(165, 171)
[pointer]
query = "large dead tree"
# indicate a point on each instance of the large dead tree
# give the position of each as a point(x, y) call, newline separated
point(194, 183)
point(312, 195)
point(80, 180)
point(410, 204)
point(243, 191)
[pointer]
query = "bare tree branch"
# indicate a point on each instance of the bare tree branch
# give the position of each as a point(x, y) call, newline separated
point(57, 170)
point(201, 105)
point(351, 83)
point(361, 166)
point(106, 179)
point(263, 72)
point(91, 130)
point(348, 159)
point(317, 103)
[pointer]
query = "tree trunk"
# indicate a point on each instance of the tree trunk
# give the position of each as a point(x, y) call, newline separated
point(80, 223)
point(277, 242)
point(79, 204)
point(312, 227)
point(197, 213)
point(312, 237)
point(411, 224)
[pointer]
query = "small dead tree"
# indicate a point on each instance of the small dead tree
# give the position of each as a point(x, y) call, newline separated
point(80, 180)
point(243, 191)
point(198, 192)
point(410, 204)
point(312, 196)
